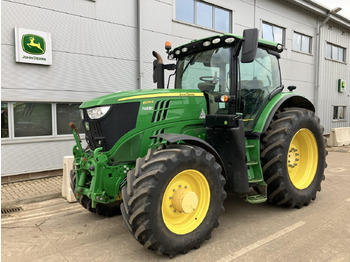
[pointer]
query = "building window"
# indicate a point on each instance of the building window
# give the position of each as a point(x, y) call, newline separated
point(32, 119)
point(66, 113)
point(273, 33)
point(339, 112)
point(301, 43)
point(4, 120)
point(335, 52)
point(203, 14)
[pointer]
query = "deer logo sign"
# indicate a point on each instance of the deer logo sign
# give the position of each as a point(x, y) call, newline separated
point(33, 44)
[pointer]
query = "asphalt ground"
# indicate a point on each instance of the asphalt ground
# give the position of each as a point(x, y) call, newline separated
point(55, 230)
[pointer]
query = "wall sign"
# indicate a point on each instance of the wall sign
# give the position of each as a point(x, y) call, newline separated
point(33, 46)
point(341, 85)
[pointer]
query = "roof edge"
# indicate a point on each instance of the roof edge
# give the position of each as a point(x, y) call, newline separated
point(320, 10)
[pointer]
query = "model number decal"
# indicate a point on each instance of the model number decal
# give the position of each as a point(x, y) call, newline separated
point(147, 108)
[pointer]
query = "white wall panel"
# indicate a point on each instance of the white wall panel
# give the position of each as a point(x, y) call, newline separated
point(105, 10)
point(34, 157)
point(71, 34)
point(331, 71)
point(72, 77)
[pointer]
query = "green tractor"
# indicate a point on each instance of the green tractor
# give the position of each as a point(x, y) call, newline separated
point(167, 157)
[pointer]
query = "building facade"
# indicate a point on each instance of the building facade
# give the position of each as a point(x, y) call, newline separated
point(100, 47)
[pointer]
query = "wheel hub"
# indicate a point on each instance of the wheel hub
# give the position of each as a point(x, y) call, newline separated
point(293, 158)
point(185, 201)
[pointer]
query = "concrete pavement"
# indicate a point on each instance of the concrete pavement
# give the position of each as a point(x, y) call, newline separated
point(55, 230)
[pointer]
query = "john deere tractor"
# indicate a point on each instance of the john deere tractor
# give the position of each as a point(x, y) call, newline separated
point(166, 157)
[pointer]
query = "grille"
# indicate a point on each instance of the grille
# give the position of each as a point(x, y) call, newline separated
point(5, 211)
point(157, 139)
point(106, 131)
point(160, 111)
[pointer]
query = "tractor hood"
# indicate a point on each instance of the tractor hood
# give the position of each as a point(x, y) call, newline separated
point(131, 96)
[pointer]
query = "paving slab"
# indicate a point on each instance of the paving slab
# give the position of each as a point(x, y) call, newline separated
point(19, 193)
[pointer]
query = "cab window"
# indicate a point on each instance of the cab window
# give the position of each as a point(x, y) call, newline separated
point(257, 80)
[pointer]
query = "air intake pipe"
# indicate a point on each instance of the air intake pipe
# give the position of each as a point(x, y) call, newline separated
point(158, 70)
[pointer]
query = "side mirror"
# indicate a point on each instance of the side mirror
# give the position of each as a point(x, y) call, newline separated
point(250, 45)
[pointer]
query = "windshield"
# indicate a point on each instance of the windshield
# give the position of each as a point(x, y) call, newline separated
point(207, 71)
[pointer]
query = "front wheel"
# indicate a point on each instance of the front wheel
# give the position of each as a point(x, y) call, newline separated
point(173, 198)
point(293, 157)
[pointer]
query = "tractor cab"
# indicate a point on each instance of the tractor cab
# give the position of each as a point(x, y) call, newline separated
point(237, 74)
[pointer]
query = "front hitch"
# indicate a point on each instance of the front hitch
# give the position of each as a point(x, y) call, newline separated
point(76, 136)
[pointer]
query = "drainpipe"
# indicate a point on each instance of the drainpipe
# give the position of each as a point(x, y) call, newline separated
point(318, 54)
point(139, 44)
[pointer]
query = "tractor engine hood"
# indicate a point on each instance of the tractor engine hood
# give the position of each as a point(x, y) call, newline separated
point(138, 95)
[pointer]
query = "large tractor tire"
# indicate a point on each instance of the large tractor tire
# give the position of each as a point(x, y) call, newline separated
point(293, 157)
point(173, 198)
point(107, 210)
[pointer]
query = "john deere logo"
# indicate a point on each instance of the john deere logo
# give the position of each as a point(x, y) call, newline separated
point(33, 44)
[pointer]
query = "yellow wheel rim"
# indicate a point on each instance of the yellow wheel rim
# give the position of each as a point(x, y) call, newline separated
point(186, 202)
point(302, 158)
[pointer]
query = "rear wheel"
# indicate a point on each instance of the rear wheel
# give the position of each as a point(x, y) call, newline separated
point(293, 157)
point(108, 210)
point(174, 198)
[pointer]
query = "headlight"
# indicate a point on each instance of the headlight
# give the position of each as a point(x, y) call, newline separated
point(97, 112)
point(82, 114)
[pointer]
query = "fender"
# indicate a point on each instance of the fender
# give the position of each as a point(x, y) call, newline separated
point(194, 141)
point(280, 100)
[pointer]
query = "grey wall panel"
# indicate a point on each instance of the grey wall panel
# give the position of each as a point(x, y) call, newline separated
point(104, 10)
point(299, 74)
point(331, 71)
point(71, 34)
point(72, 77)
point(34, 157)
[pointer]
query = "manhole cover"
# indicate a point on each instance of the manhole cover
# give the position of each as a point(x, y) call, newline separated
point(10, 210)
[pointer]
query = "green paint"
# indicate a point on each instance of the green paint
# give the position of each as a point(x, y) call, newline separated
point(33, 44)
point(105, 171)
point(259, 126)
point(100, 175)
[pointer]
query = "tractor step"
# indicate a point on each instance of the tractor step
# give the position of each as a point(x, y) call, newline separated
point(256, 199)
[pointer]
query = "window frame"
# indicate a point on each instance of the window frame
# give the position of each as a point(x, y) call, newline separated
point(11, 121)
point(274, 25)
point(214, 7)
point(338, 47)
point(344, 112)
point(301, 43)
